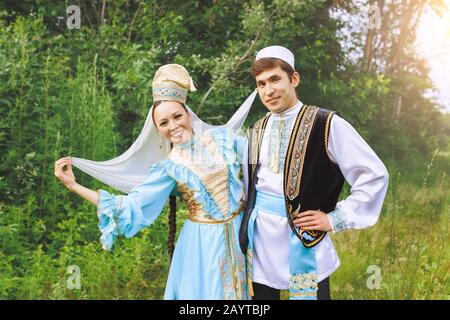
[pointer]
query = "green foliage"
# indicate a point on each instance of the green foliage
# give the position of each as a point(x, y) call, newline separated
point(87, 92)
point(408, 245)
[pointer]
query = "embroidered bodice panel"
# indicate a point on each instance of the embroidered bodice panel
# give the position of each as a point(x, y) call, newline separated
point(207, 175)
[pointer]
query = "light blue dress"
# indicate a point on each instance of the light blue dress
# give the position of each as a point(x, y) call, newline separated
point(207, 262)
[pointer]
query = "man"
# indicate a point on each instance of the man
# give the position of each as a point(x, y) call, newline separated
point(298, 158)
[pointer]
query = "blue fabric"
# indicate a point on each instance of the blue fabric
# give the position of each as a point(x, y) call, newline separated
point(199, 261)
point(302, 260)
point(233, 147)
point(270, 203)
point(138, 209)
point(206, 264)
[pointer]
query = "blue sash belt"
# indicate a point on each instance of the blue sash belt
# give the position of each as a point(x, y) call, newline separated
point(302, 260)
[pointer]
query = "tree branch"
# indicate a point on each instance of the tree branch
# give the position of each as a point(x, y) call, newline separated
point(102, 17)
point(241, 60)
point(133, 21)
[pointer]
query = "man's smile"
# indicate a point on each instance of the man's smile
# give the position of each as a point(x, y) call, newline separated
point(272, 100)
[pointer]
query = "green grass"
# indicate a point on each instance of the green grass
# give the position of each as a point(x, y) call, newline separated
point(409, 244)
point(410, 247)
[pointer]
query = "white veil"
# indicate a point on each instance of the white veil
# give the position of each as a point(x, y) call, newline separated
point(130, 168)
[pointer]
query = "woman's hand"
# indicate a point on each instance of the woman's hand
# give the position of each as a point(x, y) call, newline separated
point(66, 177)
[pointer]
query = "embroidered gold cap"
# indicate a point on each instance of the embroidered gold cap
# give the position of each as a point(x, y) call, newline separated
point(172, 82)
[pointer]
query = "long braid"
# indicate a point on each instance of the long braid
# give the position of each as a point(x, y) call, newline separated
point(172, 199)
point(172, 225)
point(172, 222)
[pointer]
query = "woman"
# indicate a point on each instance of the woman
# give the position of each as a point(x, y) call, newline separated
point(203, 168)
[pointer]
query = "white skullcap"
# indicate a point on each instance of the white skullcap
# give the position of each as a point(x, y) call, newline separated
point(278, 52)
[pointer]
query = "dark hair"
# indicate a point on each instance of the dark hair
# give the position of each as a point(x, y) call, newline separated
point(172, 225)
point(270, 63)
point(157, 103)
point(172, 199)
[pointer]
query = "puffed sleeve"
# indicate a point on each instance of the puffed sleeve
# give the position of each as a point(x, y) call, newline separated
point(365, 173)
point(131, 213)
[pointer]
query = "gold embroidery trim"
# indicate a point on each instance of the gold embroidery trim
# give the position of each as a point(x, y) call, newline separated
point(302, 282)
point(299, 151)
point(211, 185)
point(306, 294)
point(287, 164)
point(230, 250)
point(249, 271)
point(257, 137)
point(195, 208)
point(327, 127)
point(314, 242)
point(231, 255)
point(212, 221)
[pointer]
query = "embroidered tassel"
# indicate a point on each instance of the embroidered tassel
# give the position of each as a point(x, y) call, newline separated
point(249, 272)
point(250, 288)
point(274, 164)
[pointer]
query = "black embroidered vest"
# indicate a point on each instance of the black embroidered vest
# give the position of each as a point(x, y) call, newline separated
point(311, 180)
